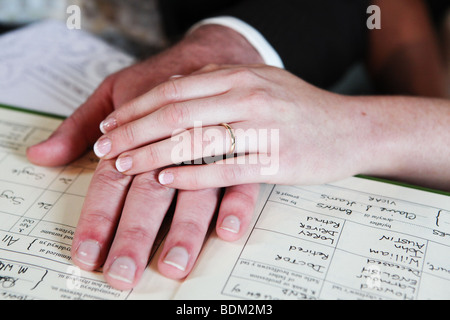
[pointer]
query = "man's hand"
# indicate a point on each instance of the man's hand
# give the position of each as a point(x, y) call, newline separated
point(122, 214)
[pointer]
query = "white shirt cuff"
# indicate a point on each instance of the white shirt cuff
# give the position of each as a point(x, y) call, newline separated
point(253, 36)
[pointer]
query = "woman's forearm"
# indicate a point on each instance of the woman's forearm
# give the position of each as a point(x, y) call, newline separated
point(406, 138)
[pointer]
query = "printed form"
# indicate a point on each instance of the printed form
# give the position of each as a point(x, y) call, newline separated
point(354, 239)
point(49, 68)
point(39, 211)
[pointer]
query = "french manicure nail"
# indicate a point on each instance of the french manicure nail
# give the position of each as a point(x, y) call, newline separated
point(123, 269)
point(166, 178)
point(102, 147)
point(88, 252)
point(177, 257)
point(124, 164)
point(108, 125)
point(231, 223)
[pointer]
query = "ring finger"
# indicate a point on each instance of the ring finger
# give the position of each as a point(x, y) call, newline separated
point(210, 144)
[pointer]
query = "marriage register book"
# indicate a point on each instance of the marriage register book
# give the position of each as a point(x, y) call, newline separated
point(353, 239)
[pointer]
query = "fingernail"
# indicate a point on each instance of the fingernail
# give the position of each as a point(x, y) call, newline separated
point(102, 147)
point(124, 164)
point(108, 125)
point(165, 178)
point(88, 252)
point(231, 223)
point(177, 257)
point(123, 269)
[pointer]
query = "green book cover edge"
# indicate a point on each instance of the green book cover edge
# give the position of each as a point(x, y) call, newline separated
point(39, 113)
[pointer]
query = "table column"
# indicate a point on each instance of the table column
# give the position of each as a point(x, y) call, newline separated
point(436, 273)
point(298, 247)
point(373, 263)
point(56, 212)
point(21, 185)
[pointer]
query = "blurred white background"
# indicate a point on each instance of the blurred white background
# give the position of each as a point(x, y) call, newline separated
point(133, 25)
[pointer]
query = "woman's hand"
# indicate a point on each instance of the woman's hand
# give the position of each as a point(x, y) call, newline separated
point(122, 214)
point(286, 131)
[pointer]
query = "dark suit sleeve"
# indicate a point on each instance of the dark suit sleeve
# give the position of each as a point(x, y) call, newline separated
point(318, 40)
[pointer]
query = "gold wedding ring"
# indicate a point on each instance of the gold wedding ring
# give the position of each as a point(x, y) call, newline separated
point(232, 136)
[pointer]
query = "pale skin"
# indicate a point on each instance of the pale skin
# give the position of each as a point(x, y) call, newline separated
point(323, 136)
point(122, 211)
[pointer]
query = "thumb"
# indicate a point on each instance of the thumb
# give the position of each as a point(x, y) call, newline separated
point(77, 133)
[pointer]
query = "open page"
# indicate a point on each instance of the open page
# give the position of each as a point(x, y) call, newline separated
point(39, 210)
point(355, 239)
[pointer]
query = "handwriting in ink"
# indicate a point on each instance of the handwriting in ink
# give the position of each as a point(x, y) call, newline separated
point(437, 218)
point(440, 233)
point(436, 268)
point(315, 236)
point(382, 200)
point(66, 181)
point(314, 253)
point(334, 224)
point(7, 282)
point(340, 200)
point(402, 241)
point(337, 208)
point(442, 214)
point(45, 206)
point(11, 197)
point(29, 172)
point(405, 214)
point(316, 267)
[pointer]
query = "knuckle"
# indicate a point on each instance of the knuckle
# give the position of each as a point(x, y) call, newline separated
point(209, 68)
point(147, 185)
point(96, 219)
point(190, 227)
point(256, 101)
point(111, 178)
point(175, 115)
point(229, 174)
point(137, 234)
point(152, 156)
point(126, 110)
point(235, 174)
point(192, 180)
point(242, 201)
point(243, 75)
point(258, 96)
point(127, 134)
point(170, 90)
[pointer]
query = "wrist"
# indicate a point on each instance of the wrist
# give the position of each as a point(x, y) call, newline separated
point(374, 141)
point(214, 44)
point(253, 36)
point(400, 138)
